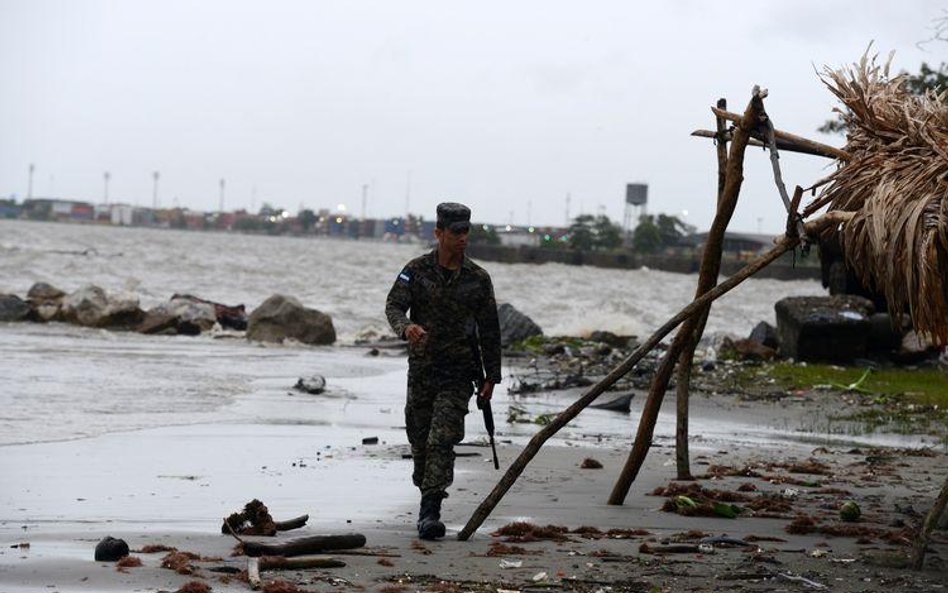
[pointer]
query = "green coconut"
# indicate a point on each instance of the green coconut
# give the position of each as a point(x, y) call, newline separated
point(850, 511)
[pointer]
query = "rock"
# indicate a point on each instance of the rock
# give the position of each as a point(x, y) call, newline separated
point(13, 308)
point(746, 349)
point(86, 306)
point(229, 316)
point(92, 307)
point(914, 348)
point(612, 339)
point(831, 329)
point(43, 292)
point(314, 384)
point(179, 316)
point(111, 549)
point(281, 317)
point(45, 302)
point(515, 326)
point(766, 334)
point(883, 336)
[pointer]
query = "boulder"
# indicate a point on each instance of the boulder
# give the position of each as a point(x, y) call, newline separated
point(41, 292)
point(515, 326)
point(110, 549)
point(746, 349)
point(823, 329)
point(611, 339)
point(229, 316)
point(915, 347)
point(281, 317)
point(314, 384)
point(92, 307)
point(13, 308)
point(179, 316)
point(45, 302)
point(884, 336)
point(766, 334)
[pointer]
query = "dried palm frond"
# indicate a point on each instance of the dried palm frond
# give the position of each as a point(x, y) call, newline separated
point(897, 184)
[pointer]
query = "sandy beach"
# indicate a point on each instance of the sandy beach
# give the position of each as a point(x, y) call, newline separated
point(302, 454)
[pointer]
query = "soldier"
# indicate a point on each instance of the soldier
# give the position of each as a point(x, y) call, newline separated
point(453, 337)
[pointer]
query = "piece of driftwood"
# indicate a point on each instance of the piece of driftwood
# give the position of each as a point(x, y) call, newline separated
point(925, 533)
point(305, 545)
point(256, 565)
point(255, 519)
point(253, 573)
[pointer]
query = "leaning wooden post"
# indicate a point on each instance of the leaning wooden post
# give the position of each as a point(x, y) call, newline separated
point(931, 519)
point(683, 374)
point(533, 447)
point(710, 265)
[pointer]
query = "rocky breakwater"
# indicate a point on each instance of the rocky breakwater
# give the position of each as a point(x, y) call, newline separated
point(277, 319)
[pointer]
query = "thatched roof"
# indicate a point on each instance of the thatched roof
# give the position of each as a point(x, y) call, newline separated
point(896, 182)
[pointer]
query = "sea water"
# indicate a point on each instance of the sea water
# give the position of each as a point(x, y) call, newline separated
point(64, 382)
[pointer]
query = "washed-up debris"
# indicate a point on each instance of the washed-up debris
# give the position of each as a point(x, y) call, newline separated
point(799, 579)
point(501, 549)
point(194, 587)
point(255, 519)
point(590, 463)
point(314, 384)
point(510, 563)
point(521, 531)
point(618, 403)
point(647, 548)
point(370, 441)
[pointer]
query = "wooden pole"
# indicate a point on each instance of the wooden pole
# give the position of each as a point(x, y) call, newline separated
point(925, 533)
point(817, 148)
point(533, 447)
point(710, 266)
point(685, 360)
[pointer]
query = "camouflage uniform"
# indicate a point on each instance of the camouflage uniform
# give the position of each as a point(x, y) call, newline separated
point(459, 314)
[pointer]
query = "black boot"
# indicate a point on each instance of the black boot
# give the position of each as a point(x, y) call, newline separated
point(429, 517)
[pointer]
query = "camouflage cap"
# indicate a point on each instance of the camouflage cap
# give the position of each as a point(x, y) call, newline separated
point(454, 217)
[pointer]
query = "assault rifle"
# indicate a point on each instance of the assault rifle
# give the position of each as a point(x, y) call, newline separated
point(484, 405)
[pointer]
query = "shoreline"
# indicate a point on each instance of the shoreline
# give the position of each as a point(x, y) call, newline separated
point(171, 485)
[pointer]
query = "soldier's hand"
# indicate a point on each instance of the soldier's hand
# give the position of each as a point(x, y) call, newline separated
point(415, 334)
point(487, 390)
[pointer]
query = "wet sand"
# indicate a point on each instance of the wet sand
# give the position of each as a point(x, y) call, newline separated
point(172, 485)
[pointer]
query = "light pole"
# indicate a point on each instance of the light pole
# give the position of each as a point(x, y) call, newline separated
point(105, 192)
point(221, 206)
point(154, 190)
point(29, 188)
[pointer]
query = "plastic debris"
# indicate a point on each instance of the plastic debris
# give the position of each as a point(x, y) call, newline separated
point(510, 563)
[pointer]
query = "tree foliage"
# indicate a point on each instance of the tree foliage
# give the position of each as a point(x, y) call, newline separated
point(594, 233)
point(655, 233)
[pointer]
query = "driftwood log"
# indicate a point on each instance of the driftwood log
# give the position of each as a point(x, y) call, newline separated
point(304, 545)
point(256, 565)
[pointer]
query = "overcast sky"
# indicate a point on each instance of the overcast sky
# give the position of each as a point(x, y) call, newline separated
point(506, 106)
